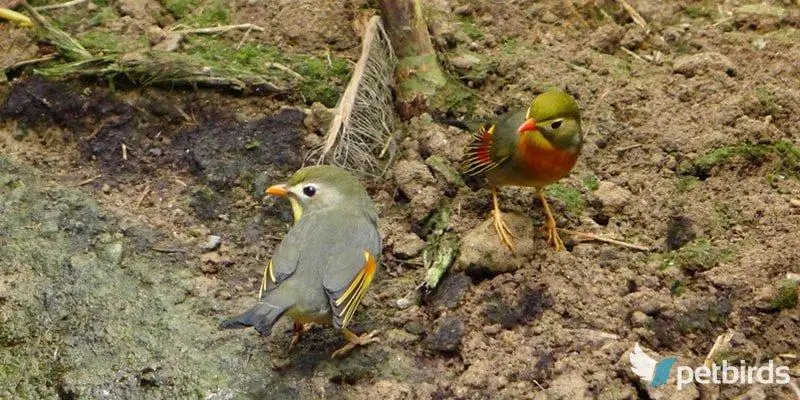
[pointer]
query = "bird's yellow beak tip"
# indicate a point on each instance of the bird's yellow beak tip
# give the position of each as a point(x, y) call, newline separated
point(527, 126)
point(277, 190)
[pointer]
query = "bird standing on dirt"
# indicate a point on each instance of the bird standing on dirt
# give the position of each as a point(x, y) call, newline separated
point(321, 270)
point(533, 148)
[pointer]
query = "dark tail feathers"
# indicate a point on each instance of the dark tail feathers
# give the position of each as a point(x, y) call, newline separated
point(467, 124)
point(261, 317)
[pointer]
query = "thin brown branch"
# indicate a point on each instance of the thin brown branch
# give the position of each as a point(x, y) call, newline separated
point(59, 5)
point(591, 236)
point(220, 29)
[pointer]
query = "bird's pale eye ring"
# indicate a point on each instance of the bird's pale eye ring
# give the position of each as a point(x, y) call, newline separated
point(309, 190)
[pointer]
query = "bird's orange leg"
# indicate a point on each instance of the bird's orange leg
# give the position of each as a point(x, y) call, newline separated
point(550, 224)
point(499, 225)
point(298, 329)
point(355, 340)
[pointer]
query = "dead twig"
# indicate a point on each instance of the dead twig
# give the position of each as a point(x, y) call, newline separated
point(31, 61)
point(124, 152)
point(59, 5)
point(632, 54)
point(598, 238)
point(637, 18)
point(144, 194)
point(90, 180)
point(168, 250)
point(722, 340)
point(631, 147)
point(793, 385)
point(244, 38)
point(220, 29)
point(284, 69)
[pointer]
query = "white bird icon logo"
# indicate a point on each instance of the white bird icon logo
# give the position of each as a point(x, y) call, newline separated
point(648, 369)
point(642, 365)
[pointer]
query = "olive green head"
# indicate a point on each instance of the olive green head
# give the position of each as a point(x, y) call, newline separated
point(556, 115)
point(322, 186)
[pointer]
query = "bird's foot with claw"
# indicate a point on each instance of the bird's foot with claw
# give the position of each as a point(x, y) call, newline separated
point(355, 340)
point(503, 231)
point(553, 238)
point(297, 332)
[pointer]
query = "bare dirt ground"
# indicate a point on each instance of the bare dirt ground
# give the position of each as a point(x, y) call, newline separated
point(108, 288)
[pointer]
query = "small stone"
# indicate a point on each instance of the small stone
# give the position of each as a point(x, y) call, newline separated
point(679, 232)
point(408, 246)
point(690, 65)
point(776, 297)
point(447, 336)
point(403, 303)
point(794, 203)
point(549, 18)
point(793, 277)
point(610, 198)
point(212, 243)
point(483, 254)
point(606, 38)
point(112, 253)
point(155, 35)
point(639, 318)
point(465, 61)
point(463, 10)
point(450, 292)
point(170, 43)
point(414, 327)
point(106, 188)
point(492, 329)
point(155, 151)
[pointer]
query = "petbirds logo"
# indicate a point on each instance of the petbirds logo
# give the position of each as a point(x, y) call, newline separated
point(656, 373)
point(649, 370)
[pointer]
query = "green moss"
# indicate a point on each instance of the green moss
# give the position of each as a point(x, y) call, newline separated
point(766, 99)
point(686, 183)
point(700, 255)
point(571, 197)
point(321, 81)
point(469, 27)
point(103, 15)
point(590, 182)
point(677, 287)
point(212, 13)
point(696, 11)
point(787, 296)
point(102, 40)
point(787, 153)
point(179, 8)
point(253, 144)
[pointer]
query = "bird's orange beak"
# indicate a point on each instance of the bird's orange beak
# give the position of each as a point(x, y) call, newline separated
point(277, 190)
point(527, 126)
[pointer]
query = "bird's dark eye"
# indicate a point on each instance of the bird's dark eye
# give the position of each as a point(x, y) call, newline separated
point(555, 124)
point(309, 191)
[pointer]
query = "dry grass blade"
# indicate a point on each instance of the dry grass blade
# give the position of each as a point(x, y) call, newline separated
point(362, 131)
point(67, 46)
point(171, 69)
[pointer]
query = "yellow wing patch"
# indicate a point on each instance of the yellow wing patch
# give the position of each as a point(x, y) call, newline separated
point(357, 288)
point(269, 273)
